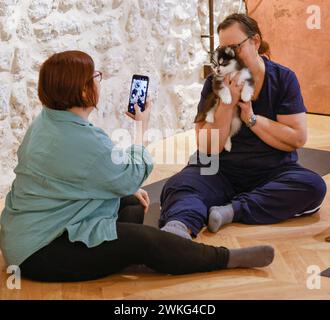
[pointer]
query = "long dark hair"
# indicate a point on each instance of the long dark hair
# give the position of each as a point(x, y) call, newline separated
point(249, 26)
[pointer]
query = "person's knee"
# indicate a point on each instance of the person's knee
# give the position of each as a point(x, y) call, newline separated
point(317, 188)
point(129, 200)
point(132, 214)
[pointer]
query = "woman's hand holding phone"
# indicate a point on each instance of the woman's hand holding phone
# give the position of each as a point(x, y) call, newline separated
point(141, 117)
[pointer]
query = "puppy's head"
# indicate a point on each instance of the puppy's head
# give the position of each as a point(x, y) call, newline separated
point(223, 61)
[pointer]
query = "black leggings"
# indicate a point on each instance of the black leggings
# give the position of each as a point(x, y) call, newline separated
point(62, 260)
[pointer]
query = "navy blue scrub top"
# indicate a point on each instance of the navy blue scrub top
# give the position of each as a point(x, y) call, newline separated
point(280, 94)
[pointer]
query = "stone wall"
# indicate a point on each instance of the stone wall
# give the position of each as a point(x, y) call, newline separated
point(158, 38)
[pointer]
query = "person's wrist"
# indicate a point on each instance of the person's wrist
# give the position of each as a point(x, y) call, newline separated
point(227, 106)
point(145, 125)
point(252, 119)
point(246, 115)
point(222, 110)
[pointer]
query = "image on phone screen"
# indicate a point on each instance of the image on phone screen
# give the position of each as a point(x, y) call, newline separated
point(138, 94)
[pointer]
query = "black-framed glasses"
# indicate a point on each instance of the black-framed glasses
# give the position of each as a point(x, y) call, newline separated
point(238, 46)
point(97, 76)
point(235, 47)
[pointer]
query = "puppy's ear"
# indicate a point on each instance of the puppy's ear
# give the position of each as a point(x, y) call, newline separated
point(214, 61)
point(230, 52)
point(215, 57)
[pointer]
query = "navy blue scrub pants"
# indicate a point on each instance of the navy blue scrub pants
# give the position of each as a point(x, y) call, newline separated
point(285, 192)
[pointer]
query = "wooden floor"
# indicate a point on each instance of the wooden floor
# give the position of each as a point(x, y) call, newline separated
point(299, 243)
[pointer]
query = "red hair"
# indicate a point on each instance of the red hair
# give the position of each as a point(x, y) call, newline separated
point(64, 77)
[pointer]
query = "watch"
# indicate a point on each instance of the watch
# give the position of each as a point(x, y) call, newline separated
point(252, 121)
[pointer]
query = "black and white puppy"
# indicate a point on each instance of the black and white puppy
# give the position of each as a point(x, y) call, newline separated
point(224, 63)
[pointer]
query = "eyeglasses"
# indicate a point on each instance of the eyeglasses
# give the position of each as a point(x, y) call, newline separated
point(98, 76)
point(235, 47)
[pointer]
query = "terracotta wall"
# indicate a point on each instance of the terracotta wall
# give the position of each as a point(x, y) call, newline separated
point(293, 44)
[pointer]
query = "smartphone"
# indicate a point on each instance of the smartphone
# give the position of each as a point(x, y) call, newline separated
point(138, 93)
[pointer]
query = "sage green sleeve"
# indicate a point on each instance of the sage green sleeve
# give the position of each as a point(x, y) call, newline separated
point(118, 172)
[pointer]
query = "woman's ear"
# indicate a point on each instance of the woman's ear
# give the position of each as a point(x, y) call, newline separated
point(84, 95)
point(257, 41)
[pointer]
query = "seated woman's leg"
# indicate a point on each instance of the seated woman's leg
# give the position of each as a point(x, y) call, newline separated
point(289, 193)
point(164, 252)
point(187, 197)
point(130, 200)
point(130, 210)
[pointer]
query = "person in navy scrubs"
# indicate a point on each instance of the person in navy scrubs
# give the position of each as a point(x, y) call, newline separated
point(259, 181)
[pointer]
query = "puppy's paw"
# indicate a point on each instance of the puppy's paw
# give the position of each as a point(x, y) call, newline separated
point(246, 96)
point(247, 93)
point(210, 117)
point(227, 146)
point(226, 97)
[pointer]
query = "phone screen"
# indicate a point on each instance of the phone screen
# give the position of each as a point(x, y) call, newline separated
point(138, 94)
